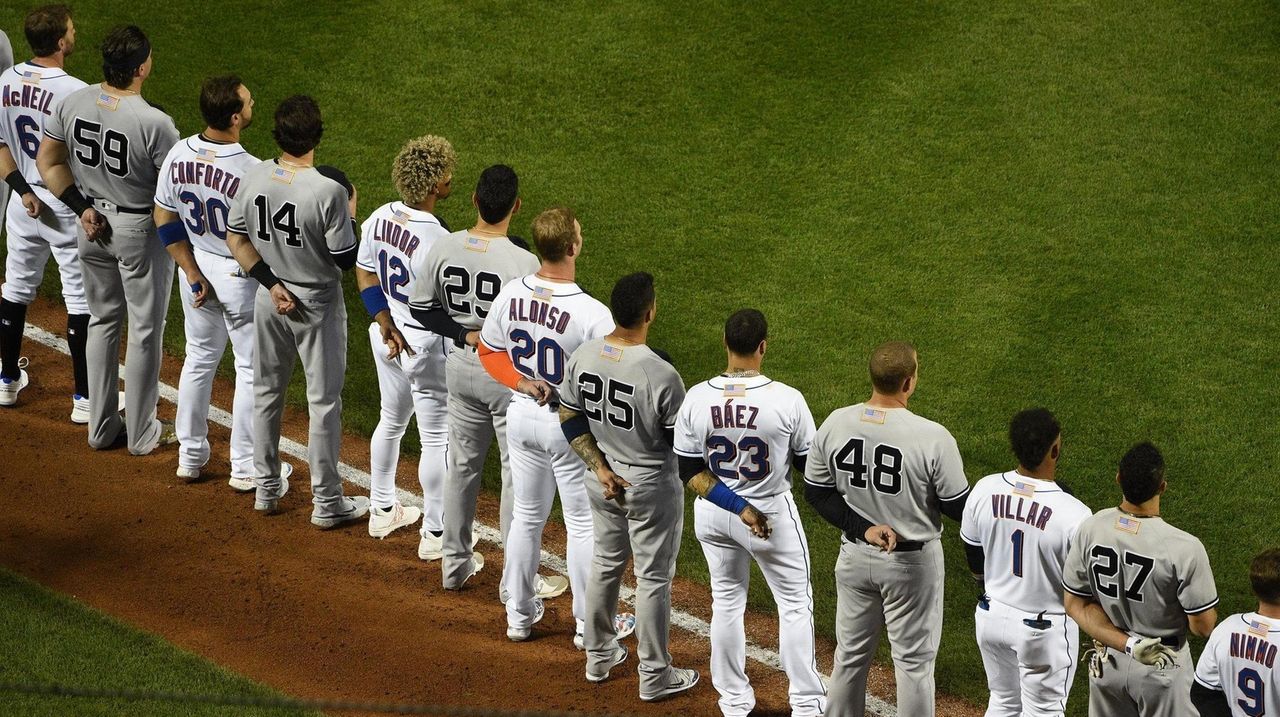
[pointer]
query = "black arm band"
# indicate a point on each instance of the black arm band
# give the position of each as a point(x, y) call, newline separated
point(262, 273)
point(833, 509)
point(1209, 703)
point(954, 508)
point(438, 321)
point(976, 558)
point(18, 183)
point(690, 467)
point(74, 200)
point(799, 462)
point(575, 427)
point(669, 435)
point(346, 259)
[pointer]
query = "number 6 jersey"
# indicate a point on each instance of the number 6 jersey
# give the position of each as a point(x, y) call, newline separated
point(29, 93)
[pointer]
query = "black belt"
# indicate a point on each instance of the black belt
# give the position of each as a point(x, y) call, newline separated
point(903, 546)
point(126, 210)
point(1174, 642)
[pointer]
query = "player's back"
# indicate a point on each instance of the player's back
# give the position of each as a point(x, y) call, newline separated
point(296, 218)
point(892, 467)
point(1146, 574)
point(465, 272)
point(540, 324)
point(747, 429)
point(1025, 528)
point(115, 144)
point(630, 396)
point(391, 238)
point(1240, 660)
point(29, 94)
point(199, 180)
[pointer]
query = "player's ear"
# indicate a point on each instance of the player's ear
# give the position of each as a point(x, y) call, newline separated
point(764, 345)
point(475, 202)
point(515, 208)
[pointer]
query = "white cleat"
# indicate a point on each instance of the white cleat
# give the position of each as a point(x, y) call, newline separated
point(477, 564)
point(354, 508)
point(9, 388)
point(190, 475)
point(79, 410)
point(682, 680)
point(520, 634)
point(431, 547)
point(624, 623)
point(245, 485)
point(547, 588)
point(383, 522)
point(271, 505)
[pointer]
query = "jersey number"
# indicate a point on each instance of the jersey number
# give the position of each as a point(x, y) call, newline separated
point(619, 411)
point(394, 274)
point(205, 217)
point(1018, 537)
point(92, 145)
point(457, 287)
point(885, 468)
point(28, 135)
point(722, 453)
point(284, 222)
point(1255, 690)
point(1106, 572)
point(546, 352)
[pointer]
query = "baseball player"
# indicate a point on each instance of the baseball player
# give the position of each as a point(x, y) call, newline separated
point(1136, 584)
point(6, 61)
point(1017, 527)
point(618, 406)
point(38, 225)
point(901, 472)
point(290, 218)
point(199, 179)
point(100, 157)
point(459, 278)
point(748, 431)
point(1237, 675)
point(414, 385)
point(533, 326)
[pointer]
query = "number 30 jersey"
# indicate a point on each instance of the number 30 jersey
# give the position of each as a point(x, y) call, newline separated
point(747, 430)
point(392, 236)
point(198, 181)
point(1240, 661)
point(540, 324)
point(28, 94)
point(464, 272)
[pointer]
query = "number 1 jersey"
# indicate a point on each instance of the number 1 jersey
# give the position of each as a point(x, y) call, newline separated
point(198, 181)
point(390, 239)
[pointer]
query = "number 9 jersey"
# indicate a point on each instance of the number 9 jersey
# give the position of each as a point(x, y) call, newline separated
point(198, 181)
point(1240, 661)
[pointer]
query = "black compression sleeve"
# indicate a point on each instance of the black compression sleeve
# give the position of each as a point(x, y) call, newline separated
point(798, 462)
point(1209, 703)
point(690, 467)
point(832, 507)
point(74, 200)
point(954, 508)
point(669, 435)
point(262, 273)
point(438, 321)
point(18, 183)
point(976, 558)
point(346, 259)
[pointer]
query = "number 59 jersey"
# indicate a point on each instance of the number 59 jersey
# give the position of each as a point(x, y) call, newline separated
point(198, 181)
point(747, 430)
point(30, 93)
point(463, 273)
point(1240, 661)
point(391, 237)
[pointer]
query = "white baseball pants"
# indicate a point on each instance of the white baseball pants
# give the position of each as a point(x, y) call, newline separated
point(1029, 670)
point(31, 240)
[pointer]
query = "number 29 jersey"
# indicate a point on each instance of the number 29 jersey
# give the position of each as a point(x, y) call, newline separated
point(464, 272)
point(747, 430)
point(391, 237)
point(198, 181)
point(1240, 661)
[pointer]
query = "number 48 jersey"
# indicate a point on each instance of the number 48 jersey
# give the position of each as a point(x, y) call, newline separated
point(747, 430)
point(29, 94)
point(390, 239)
point(1240, 661)
point(198, 181)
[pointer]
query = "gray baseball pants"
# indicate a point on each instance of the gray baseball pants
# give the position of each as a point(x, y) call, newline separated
point(1129, 688)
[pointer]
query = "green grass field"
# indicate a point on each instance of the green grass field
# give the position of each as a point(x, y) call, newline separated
point(1067, 204)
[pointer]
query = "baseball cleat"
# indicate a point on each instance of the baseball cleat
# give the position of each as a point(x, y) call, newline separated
point(245, 485)
point(9, 388)
point(271, 505)
point(168, 433)
point(190, 475)
point(477, 564)
point(682, 680)
point(520, 634)
point(79, 409)
point(383, 522)
point(431, 547)
point(354, 508)
point(619, 657)
point(624, 623)
point(547, 588)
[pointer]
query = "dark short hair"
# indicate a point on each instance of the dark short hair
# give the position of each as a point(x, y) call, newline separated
point(1141, 473)
point(44, 27)
point(496, 192)
point(891, 364)
point(744, 330)
point(633, 295)
point(1032, 433)
point(220, 99)
point(298, 126)
point(1264, 576)
point(124, 50)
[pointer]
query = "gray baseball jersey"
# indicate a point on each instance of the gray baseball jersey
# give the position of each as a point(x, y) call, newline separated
point(29, 95)
point(1146, 574)
point(464, 273)
point(631, 397)
point(116, 144)
point(891, 466)
point(296, 218)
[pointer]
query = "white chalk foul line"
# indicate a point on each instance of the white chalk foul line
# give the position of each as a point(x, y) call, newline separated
point(290, 447)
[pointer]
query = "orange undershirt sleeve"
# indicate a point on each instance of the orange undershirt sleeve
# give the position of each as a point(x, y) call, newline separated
point(499, 365)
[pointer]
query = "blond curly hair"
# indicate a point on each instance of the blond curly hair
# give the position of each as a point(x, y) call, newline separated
point(421, 164)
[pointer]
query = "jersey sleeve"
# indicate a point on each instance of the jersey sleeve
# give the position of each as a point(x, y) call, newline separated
point(1075, 572)
point(568, 389)
point(802, 435)
point(53, 128)
point(602, 325)
point(164, 136)
point(422, 294)
point(948, 477)
point(668, 396)
point(364, 257)
point(164, 188)
point(494, 331)
point(338, 235)
point(236, 213)
point(816, 471)
point(970, 530)
point(1207, 671)
point(1196, 589)
point(687, 441)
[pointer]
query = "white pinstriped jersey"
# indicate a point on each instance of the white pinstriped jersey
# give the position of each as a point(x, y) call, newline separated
point(29, 94)
point(199, 179)
point(746, 429)
point(1240, 661)
point(1025, 528)
point(390, 239)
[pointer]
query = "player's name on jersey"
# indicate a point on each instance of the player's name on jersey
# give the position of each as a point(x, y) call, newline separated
point(390, 232)
point(1024, 510)
point(30, 97)
point(1246, 646)
point(535, 311)
point(734, 415)
point(205, 174)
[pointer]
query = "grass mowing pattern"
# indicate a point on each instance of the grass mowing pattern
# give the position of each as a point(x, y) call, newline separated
point(1070, 206)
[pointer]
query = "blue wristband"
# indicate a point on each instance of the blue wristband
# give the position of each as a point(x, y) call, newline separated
point(723, 496)
point(374, 300)
point(171, 233)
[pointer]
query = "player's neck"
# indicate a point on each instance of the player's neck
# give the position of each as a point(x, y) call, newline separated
point(1044, 472)
point(231, 135)
point(1267, 609)
point(306, 160)
point(1149, 509)
point(427, 205)
point(134, 88)
point(740, 366)
point(57, 60)
point(495, 230)
point(885, 400)
point(633, 337)
point(561, 272)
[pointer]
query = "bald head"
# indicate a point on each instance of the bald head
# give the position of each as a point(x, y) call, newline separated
point(892, 364)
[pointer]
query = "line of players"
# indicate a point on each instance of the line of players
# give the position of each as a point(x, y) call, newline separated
point(480, 340)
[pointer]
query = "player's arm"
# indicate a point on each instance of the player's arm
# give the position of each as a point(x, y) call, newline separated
point(697, 477)
point(438, 321)
point(1209, 703)
point(174, 237)
point(833, 509)
point(253, 264)
point(577, 431)
point(19, 184)
point(1091, 618)
point(950, 482)
point(51, 162)
point(1202, 623)
point(375, 302)
point(498, 364)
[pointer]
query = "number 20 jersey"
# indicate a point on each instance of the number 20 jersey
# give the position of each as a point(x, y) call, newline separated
point(391, 237)
point(29, 94)
point(198, 181)
point(746, 429)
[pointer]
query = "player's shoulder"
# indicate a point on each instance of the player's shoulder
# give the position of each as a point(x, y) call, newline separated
point(990, 485)
point(1236, 622)
point(923, 427)
point(657, 369)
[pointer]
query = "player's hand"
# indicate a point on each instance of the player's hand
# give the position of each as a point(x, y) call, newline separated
point(284, 301)
point(393, 339)
point(539, 391)
point(758, 522)
point(33, 204)
point(1149, 651)
point(96, 227)
point(472, 338)
point(883, 537)
point(199, 288)
point(614, 485)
